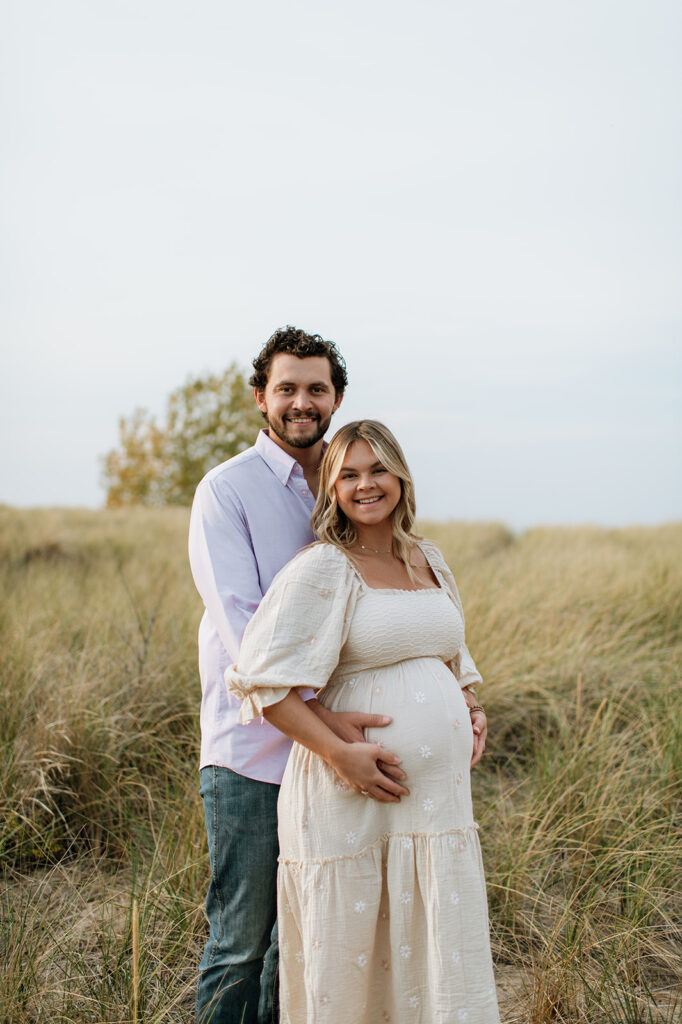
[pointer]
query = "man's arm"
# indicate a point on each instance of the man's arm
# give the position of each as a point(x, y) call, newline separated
point(223, 562)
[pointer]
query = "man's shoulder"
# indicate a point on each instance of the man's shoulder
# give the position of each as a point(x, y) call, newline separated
point(240, 467)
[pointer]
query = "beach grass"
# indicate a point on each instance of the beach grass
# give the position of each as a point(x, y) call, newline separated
point(577, 632)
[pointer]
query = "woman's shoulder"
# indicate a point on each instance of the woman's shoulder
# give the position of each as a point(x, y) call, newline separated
point(318, 558)
point(433, 553)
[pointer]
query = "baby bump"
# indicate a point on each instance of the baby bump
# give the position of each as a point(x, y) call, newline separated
point(320, 817)
point(430, 728)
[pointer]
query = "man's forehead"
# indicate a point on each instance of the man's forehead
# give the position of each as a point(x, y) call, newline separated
point(287, 368)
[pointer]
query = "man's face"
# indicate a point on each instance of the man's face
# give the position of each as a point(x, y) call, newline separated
point(299, 399)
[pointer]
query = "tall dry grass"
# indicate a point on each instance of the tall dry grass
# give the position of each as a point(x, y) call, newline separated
point(101, 837)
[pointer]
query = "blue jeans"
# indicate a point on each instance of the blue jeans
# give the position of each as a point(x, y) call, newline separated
point(238, 981)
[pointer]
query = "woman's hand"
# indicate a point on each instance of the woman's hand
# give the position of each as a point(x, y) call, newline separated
point(479, 725)
point(356, 764)
point(350, 727)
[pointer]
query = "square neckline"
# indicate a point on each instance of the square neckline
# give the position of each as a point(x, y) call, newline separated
point(440, 586)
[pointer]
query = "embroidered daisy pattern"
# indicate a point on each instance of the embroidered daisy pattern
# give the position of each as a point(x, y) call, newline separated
point(454, 898)
point(407, 842)
point(455, 957)
point(317, 944)
point(351, 838)
point(463, 1015)
point(299, 957)
point(405, 952)
point(362, 960)
point(459, 778)
point(406, 897)
point(420, 697)
point(428, 804)
point(425, 751)
point(414, 1002)
point(360, 907)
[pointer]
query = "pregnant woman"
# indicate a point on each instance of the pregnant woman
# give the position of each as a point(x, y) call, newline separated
point(382, 905)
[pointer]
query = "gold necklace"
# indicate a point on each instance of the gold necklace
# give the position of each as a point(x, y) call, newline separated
point(378, 551)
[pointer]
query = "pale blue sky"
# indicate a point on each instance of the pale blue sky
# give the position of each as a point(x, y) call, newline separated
point(479, 202)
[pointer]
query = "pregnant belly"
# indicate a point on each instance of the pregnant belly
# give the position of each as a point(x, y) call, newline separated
point(430, 729)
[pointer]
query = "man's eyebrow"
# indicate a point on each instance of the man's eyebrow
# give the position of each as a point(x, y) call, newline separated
point(293, 384)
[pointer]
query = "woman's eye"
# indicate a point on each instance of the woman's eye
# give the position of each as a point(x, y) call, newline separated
point(380, 469)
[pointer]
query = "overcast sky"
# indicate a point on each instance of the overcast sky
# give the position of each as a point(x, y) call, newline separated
point(478, 201)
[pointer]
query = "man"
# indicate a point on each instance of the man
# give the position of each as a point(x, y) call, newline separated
point(250, 516)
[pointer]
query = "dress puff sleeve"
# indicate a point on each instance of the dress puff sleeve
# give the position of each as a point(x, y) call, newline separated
point(295, 637)
point(462, 664)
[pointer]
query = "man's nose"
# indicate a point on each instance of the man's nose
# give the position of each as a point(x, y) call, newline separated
point(302, 401)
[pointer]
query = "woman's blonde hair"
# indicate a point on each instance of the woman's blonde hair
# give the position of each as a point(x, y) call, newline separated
point(330, 523)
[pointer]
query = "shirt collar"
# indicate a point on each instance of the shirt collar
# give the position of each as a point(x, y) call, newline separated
point(281, 464)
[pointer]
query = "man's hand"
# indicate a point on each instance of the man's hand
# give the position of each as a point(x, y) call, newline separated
point(350, 727)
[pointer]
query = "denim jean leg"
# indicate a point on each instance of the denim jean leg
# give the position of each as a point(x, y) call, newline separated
point(268, 1008)
point(241, 825)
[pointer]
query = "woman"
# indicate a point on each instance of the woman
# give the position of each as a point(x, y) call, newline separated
point(382, 906)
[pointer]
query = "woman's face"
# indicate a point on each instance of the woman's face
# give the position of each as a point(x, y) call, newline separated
point(366, 492)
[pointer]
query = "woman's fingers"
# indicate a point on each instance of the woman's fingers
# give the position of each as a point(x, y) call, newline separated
point(356, 763)
point(479, 725)
point(392, 770)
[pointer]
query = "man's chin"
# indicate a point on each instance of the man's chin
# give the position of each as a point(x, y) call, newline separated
point(299, 440)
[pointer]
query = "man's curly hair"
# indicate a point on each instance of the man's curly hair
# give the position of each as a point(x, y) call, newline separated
point(297, 343)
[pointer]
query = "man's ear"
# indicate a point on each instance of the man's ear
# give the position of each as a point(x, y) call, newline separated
point(337, 403)
point(260, 399)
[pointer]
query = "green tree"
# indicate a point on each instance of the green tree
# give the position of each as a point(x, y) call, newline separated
point(208, 420)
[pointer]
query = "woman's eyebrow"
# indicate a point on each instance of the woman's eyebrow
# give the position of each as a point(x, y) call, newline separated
point(352, 469)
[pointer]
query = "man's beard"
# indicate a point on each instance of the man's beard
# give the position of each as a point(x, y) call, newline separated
point(280, 429)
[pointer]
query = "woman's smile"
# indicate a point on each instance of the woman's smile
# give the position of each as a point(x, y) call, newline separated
point(364, 486)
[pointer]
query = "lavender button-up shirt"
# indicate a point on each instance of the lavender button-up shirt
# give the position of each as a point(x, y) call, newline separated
point(250, 516)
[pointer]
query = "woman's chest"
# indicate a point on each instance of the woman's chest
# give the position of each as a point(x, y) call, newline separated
point(391, 625)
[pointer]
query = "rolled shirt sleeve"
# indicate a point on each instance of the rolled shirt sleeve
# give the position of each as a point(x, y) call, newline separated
point(295, 638)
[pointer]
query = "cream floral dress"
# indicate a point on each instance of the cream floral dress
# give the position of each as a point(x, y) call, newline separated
point(382, 907)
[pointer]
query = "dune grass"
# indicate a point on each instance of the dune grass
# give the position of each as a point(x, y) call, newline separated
point(102, 850)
